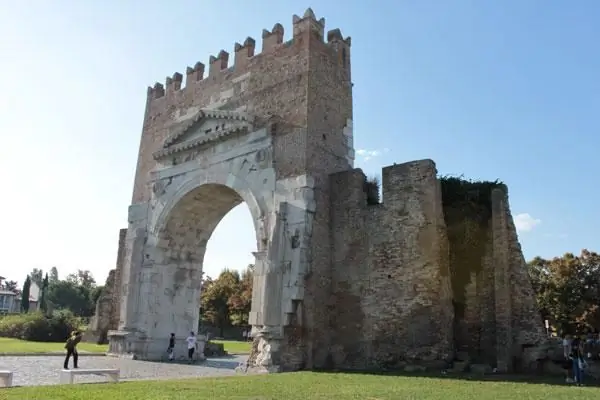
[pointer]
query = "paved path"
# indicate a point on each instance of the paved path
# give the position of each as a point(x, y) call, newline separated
point(33, 371)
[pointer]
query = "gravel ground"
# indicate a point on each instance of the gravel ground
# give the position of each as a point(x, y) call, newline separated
point(33, 371)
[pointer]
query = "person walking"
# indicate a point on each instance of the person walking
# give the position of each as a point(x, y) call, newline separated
point(71, 347)
point(578, 360)
point(171, 348)
point(192, 343)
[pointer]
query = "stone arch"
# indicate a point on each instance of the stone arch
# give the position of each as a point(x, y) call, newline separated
point(213, 161)
point(175, 253)
point(236, 185)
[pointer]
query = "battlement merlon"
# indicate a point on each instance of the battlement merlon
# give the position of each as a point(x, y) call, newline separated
point(244, 53)
point(396, 179)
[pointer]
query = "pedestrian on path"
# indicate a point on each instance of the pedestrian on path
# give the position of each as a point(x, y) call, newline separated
point(171, 348)
point(71, 347)
point(192, 343)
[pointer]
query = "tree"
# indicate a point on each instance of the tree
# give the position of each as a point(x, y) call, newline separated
point(68, 295)
point(215, 299)
point(10, 286)
point(568, 290)
point(53, 275)
point(37, 276)
point(82, 278)
point(25, 295)
point(240, 301)
point(44, 295)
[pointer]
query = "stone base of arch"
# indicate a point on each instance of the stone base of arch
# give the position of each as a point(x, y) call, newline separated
point(137, 346)
point(265, 355)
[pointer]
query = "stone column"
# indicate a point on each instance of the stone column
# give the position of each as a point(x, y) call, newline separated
point(266, 314)
point(119, 341)
point(504, 339)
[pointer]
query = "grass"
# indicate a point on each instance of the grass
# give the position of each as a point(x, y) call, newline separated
point(8, 345)
point(306, 385)
point(234, 346)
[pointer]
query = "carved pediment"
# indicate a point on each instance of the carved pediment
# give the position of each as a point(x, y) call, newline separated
point(205, 127)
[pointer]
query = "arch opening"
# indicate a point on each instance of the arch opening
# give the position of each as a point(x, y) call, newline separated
point(177, 275)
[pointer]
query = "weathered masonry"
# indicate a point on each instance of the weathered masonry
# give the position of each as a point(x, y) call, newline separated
point(339, 283)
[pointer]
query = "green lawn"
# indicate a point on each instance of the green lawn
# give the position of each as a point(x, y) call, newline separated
point(8, 345)
point(303, 386)
point(235, 347)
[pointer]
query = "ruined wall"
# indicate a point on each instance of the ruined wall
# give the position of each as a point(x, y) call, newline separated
point(436, 268)
point(391, 282)
point(106, 316)
point(495, 312)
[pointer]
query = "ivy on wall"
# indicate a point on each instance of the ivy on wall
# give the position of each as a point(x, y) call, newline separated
point(467, 208)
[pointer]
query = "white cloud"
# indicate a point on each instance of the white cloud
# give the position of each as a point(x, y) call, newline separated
point(366, 155)
point(524, 222)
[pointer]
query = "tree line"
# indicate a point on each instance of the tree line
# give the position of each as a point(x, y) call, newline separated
point(78, 292)
point(226, 300)
point(568, 291)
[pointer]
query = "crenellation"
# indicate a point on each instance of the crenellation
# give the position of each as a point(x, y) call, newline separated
point(220, 70)
point(309, 23)
point(272, 40)
point(218, 63)
point(173, 83)
point(194, 74)
point(243, 53)
point(157, 91)
point(334, 35)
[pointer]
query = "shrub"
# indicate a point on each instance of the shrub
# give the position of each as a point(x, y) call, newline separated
point(39, 327)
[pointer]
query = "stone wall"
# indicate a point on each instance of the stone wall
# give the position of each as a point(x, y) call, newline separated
point(391, 282)
point(106, 316)
point(415, 281)
point(495, 313)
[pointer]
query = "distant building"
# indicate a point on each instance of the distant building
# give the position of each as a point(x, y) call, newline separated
point(9, 302)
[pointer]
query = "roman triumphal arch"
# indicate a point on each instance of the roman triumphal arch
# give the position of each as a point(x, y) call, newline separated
point(211, 161)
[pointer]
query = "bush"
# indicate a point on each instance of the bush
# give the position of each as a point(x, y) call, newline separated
point(39, 327)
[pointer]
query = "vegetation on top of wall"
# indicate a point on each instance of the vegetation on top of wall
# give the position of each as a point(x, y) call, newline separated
point(372, 188)
point(467, 208)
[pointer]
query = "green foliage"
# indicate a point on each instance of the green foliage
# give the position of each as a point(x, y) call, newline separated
point(10, 286)
point(69, 295)
point(372, 187)
point(568, 291)
point(467, 211)
point(44, 295)
point(77, 293)
point(25, 295)
point(226, 300)
point(53, 275)
point(39, 327)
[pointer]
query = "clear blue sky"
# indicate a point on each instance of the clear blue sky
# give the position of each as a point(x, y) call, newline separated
point(489, 89)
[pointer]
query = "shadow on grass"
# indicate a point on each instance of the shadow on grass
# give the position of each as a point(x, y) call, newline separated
point(539, 379)
point(224, 362)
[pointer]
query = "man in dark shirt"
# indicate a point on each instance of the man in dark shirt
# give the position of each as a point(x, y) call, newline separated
point(71, 347)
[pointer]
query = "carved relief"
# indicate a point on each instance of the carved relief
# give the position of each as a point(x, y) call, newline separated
point(160, 187)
